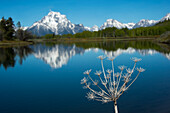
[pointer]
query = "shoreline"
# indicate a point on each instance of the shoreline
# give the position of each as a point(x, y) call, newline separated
point(72, 40)
point(90, 39)
point(15, 43)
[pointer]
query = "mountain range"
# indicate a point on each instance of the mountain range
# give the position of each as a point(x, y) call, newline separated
point(58, 24)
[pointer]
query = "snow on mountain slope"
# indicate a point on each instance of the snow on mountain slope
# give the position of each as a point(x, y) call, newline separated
point(129, 25)
point(117, 24)
point(145, 23)
point(112, 23)
point(24, 28)
point(87, 28)
point(56, 23)
point(94, 28)
point(141, 23)
point(167, 17)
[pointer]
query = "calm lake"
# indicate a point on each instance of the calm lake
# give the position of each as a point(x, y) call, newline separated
point(45, 77)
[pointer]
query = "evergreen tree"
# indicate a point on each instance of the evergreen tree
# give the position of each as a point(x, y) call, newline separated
point(19, 24)
point(3, 28)
point(1, 38)
point(19, 32)
point(27, 35)
point(9, 35)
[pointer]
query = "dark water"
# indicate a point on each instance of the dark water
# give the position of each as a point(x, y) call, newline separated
point(45, 78)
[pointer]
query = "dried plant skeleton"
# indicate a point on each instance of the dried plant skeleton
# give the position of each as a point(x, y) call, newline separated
point(110, 85)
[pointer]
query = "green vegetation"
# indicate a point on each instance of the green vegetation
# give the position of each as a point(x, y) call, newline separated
point(6, 29)
point(165, 38)
point(8, 33)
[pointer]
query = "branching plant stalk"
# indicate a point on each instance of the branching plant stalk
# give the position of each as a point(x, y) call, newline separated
point(112, 89)
point(103, 71)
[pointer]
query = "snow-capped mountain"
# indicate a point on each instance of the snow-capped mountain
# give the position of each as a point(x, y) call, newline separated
point(167, 17)
point(24, 28)
point(87, 28)
point(94, 28)
point(117, 24)
point(58, 24)
point(145, 23)
point(112, 23)
point(55, 23)
point(141, 23)
point(130, 25)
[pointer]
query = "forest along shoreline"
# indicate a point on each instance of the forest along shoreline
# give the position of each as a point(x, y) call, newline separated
point(11, 35)
point(74, 40)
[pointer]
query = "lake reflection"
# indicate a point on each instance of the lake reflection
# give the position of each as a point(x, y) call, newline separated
point(45, 77)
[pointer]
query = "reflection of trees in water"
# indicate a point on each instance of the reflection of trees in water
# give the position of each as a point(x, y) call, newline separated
point(8, 55)
point(114, 45)
point(23, 52)
point(59, 54)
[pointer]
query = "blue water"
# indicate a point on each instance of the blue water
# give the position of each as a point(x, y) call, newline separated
point(48, 80)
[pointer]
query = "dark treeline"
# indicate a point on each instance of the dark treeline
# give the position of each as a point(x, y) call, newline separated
point(9, 56)
point(156, 30)
point(8, 31)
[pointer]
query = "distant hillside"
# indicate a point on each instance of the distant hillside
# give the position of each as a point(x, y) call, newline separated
point(164, 23)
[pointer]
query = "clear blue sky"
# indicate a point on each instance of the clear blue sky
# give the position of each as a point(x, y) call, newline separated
point(87, 12)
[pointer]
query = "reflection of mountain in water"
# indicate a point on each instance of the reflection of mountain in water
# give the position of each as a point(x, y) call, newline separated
point(56, 56)
point(132, 50)
point(59, 55)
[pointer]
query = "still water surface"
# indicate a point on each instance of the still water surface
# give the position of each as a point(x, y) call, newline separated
point(45, 78)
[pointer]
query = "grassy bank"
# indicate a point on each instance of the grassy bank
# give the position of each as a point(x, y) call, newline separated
point(72, 40)
point(15, 43)
point(91, 39)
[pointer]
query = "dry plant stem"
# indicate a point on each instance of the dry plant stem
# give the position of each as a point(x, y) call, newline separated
point(98, 100)
point(119, 80)
point(129, 85)
point(129, 75)
point(98, 86)
point(101, 79)
point(104, 85)
point(115, 107)
point(103, 70)
point(113, 74)
point(93, 90)
point(133, 80)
